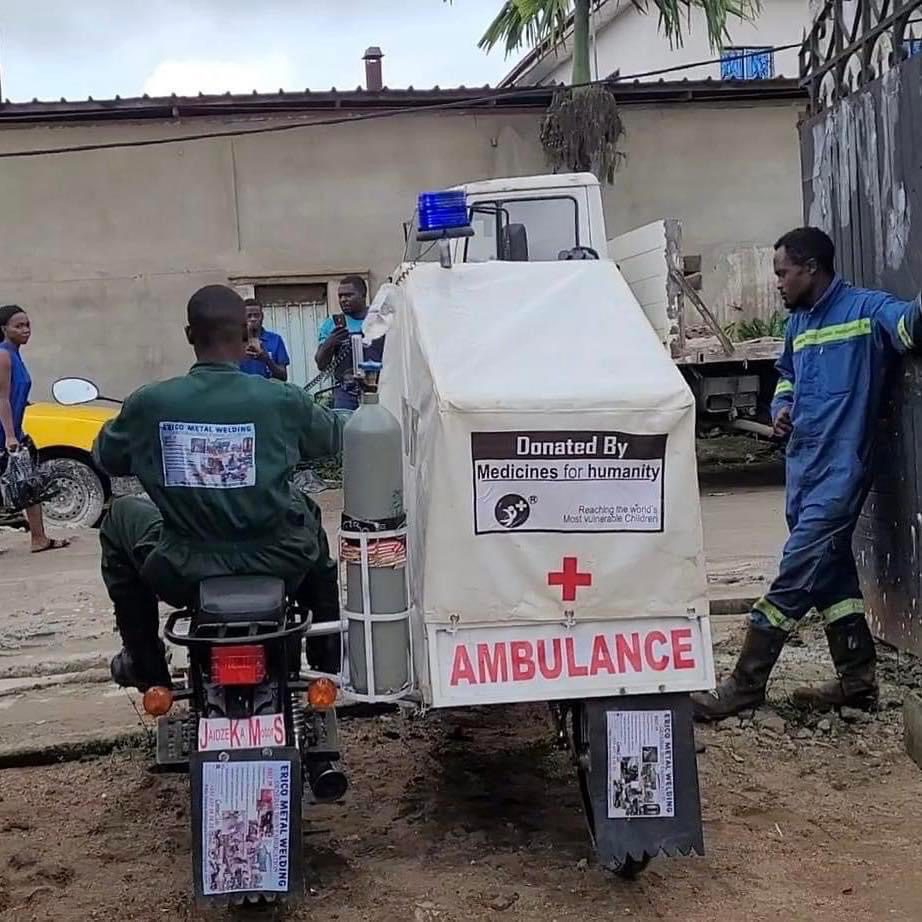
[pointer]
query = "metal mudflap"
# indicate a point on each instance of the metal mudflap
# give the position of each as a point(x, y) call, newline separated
point(641, 776)
point(246, 826)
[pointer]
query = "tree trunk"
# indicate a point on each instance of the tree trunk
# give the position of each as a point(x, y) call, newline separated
point(581, 73)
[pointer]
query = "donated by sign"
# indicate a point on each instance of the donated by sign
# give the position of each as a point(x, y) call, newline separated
point(567, 481)
point(543, 662)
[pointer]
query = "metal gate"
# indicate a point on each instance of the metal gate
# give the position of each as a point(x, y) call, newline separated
point(861, 153)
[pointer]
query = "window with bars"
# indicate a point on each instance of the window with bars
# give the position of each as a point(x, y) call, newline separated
point(747, 64)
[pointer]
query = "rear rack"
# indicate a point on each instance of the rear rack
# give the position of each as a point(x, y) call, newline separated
point(222, 635)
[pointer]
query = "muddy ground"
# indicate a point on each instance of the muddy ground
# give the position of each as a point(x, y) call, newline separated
point(475, 816)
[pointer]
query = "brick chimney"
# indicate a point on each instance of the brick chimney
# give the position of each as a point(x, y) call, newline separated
point(373, 78)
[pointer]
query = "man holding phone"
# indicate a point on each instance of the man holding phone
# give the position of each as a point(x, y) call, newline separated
point(335, 349)
point(266, 355)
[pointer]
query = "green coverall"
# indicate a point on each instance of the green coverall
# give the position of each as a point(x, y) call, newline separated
point(214, 451)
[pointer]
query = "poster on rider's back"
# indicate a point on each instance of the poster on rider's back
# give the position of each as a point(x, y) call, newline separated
point(208, 456)
point(246, 828)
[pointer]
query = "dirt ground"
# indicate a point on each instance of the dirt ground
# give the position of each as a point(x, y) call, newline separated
point(475, 816)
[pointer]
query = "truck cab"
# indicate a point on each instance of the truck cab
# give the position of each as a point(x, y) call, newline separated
point(527, 219)
point(533, 218)
point(542, 218)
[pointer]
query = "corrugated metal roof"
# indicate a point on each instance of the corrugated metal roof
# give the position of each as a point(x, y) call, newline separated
point(360, 100)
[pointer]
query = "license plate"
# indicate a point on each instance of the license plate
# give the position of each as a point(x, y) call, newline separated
point(222, 733)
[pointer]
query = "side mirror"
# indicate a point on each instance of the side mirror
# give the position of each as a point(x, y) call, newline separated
point(71, 391)
point(515, 243)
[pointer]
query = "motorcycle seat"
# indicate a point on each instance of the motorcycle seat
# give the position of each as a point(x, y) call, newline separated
point(239, 599)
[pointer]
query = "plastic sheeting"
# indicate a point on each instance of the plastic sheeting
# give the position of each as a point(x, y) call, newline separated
point(550, 472)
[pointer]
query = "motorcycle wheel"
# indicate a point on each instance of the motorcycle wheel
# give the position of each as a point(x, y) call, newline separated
point(629, 867)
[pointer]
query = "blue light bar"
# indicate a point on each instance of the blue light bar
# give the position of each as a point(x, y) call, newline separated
point(442, 214)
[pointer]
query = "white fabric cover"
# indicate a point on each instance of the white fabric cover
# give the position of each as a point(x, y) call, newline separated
point(541, 348)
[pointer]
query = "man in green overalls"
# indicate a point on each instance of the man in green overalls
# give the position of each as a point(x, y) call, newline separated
point(214, 450)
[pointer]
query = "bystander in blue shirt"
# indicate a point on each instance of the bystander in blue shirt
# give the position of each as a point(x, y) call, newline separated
point(272, 360)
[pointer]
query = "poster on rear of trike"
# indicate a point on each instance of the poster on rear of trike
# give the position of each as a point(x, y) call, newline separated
point(246, 826)
point(640, 765)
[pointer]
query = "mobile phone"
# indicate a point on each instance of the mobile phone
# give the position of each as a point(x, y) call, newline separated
point(339, 321)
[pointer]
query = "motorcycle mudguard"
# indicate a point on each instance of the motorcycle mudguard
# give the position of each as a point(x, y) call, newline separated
point(642, 762)
point(246, 826)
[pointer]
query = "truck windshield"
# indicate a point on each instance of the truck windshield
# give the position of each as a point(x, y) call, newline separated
point(532, 230)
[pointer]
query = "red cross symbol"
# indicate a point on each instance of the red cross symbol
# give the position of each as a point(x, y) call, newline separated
point(569, 579)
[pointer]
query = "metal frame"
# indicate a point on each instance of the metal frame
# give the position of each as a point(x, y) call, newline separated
point(853, 42)
point(368, 619)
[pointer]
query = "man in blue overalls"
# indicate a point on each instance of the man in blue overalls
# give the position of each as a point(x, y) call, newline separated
point(838, 345)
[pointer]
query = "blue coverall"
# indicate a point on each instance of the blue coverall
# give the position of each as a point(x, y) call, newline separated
point(832, 376)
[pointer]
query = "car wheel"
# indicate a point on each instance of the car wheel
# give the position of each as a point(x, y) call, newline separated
point(80, 496)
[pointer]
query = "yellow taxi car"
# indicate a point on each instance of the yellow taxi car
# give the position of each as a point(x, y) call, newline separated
point(64, 438)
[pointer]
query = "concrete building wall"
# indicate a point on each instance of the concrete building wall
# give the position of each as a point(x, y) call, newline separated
point(632, 43)
point(731, 175)
point(104, 247)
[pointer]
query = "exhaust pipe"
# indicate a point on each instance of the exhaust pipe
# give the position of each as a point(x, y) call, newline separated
point(327, 780)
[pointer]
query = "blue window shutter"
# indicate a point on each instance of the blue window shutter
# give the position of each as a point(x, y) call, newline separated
point(732, 64)
point(760, 64)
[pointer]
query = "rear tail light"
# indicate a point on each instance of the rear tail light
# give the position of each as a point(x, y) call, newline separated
point(243, 665)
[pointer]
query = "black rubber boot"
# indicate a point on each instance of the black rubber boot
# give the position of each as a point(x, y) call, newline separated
point(855, 659)
point(142, 661)
point(744, 688)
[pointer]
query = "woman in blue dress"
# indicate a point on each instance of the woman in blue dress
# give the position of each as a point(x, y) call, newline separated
point(15, 384)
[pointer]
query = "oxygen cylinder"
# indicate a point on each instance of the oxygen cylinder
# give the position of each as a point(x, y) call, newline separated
point(373, 503)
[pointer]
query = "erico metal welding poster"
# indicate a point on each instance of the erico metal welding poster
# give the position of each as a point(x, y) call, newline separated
point(640, 771)
point(567, 481)
point(246, 832)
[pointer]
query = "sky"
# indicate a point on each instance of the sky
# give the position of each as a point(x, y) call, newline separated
point(104, 48)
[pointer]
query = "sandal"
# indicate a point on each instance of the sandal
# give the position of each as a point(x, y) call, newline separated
point(54, 544)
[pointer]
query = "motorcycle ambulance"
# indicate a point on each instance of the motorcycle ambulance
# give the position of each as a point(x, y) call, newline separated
point(529, 529)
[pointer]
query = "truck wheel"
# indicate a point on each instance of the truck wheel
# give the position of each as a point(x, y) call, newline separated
point(80, 497)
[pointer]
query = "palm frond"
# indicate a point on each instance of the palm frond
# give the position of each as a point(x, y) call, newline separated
point(675, 17)
point(527, 23)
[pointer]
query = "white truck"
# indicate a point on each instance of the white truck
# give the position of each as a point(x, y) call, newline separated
point(536, 218)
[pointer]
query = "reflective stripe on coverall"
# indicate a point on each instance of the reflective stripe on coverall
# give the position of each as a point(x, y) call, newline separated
point(832, 377)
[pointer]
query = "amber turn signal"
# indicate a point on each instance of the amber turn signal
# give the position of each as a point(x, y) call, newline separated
point(158, 701)
point(321, 694)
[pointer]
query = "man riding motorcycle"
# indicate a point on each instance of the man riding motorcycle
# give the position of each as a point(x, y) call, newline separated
point(214, 450)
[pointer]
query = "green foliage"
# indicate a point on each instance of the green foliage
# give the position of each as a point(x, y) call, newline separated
point(529, 22)
point(741, 331)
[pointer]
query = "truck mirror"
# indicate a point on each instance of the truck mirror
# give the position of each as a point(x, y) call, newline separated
point(515, 243)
